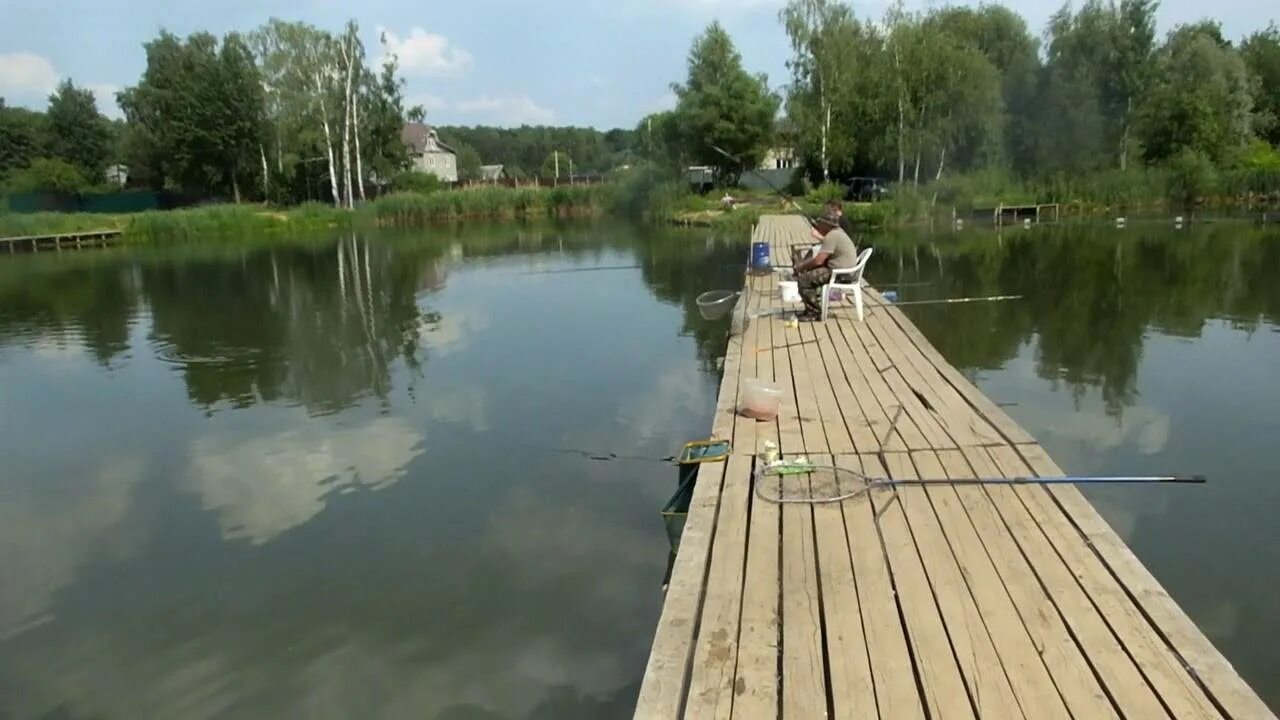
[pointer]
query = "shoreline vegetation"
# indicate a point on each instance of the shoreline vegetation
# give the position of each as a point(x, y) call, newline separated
point(650, 196)
point(403, 209)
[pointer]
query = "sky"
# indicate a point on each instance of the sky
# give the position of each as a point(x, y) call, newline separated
point(601, 63)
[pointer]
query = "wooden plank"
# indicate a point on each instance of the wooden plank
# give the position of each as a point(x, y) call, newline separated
point(945, 693)
point(1124, 683)
point(987, 409)
point(839, 439)
point(715, 656)
point(766, 430)
point(892, 669)
point(803, 669)
point(811, 426)
point(856, 419)
point(1162, 669)
point(1026, 671)
point(852, 691)
point(899, 430)
point(960, 420)
point(791, 440)
point(1199, 655)
point(744, 429)
point(923, 417)
point(662, 692)
point(1062, 657)
point(975, 653)
point(756, 680)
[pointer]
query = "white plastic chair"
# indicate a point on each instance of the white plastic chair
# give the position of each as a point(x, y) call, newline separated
point(847, 280)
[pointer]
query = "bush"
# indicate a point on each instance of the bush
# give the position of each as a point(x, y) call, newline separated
point(826, 192)
point(47, 175)
point(648, 193)
point(1192, 176)
point(404, 208)
point(416, 182)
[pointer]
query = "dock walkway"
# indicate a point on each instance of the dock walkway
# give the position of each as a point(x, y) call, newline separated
point(921, 602)
point(58, 242)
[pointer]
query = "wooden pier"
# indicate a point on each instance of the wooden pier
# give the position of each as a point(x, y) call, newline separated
point(57, 242)
point(922, 602)
point(1014, 214)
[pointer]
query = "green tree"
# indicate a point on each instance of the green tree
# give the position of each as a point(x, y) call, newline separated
point(1107, 47)
point(47, 175)
point(468, 161)
point(384, 115)
point(78, 133)
point(22, 134)
point(1261, 53)
point(1200, 98)
point(240, 105)
point(824, 42)
point(1002, 37)
point(557, 164)
point(198, 112)
point(722, 106)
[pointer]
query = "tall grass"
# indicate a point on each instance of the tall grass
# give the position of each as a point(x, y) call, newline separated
point(229, 222)
point(407, 209)
point(48, 223)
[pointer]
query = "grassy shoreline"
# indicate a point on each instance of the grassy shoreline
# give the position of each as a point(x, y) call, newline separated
point(395, 210)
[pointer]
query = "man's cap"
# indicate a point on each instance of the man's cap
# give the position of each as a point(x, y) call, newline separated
point(828, 217)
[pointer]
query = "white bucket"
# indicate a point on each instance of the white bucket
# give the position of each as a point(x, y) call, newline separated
point(790, 291)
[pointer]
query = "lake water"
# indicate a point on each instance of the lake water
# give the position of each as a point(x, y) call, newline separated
point(361, 476)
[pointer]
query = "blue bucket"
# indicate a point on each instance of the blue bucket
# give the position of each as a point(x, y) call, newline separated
point(760, 256)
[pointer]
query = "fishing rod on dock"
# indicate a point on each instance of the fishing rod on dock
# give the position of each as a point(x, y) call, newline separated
point(950, 301)
point(845, 484)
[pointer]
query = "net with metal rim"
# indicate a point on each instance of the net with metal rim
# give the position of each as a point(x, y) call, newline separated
point(807, 483)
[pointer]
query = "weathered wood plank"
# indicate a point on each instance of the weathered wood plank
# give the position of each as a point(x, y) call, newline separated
point(1201, 657)
point(945, 693)
point(715, 655)
point(1112, 666)
point(892, 669)
point(756, 681)
point(662, 691)
point(852, 692)
point(1162, 669)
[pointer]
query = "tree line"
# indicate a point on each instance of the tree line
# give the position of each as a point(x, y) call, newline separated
point(914, 96)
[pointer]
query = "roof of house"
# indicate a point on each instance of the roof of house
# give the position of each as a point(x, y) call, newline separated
point(490, 172)
point(421, 138)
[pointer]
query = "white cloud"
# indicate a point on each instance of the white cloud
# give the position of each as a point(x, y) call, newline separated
point(425, 53)
point(105, 95)
point(26, 76)
point(664, 103)
point(47, 533)
point(262, 486)
point(430, 103)
point(508, 110)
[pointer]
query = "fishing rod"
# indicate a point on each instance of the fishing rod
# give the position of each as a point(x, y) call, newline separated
point(948, 301)
point(859, 484)
point(775, 188)
point(578, 270)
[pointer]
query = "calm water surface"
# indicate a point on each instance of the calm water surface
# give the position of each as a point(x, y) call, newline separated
point(352, 477)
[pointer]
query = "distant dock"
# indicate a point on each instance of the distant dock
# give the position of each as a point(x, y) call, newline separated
point(57, 242)
point(945, 601)
point(1015, 214)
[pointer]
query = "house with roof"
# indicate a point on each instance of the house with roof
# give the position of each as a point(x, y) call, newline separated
point(492, 173)
point(427, 154)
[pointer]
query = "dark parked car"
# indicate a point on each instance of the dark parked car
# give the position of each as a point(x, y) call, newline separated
point(866, 189)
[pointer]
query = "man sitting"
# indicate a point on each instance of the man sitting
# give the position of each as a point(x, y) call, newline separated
point(812, 274)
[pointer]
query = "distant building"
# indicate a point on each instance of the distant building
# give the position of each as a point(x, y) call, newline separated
point(427, 154)
point(492, 173)
point(778, 158)
point(117, 175)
